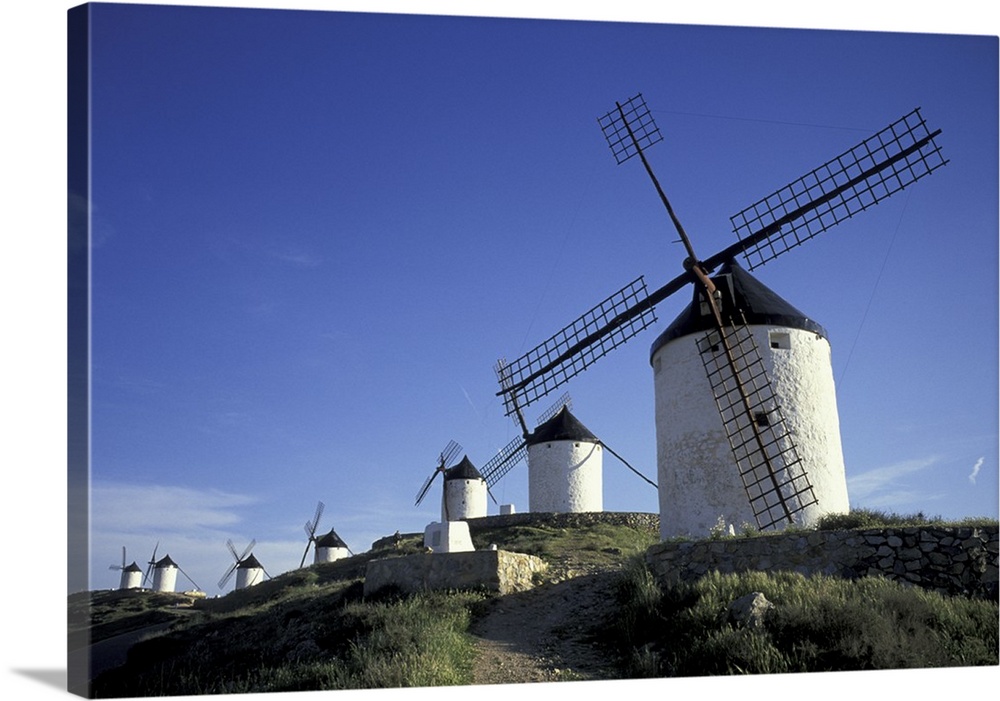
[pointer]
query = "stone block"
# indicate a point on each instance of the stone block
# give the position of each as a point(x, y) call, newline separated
point(497, 571)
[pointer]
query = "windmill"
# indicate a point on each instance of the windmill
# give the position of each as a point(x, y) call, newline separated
point(331, 547)
point(552, 485)
point(165, 575)
point(775, 484)
point(310, 528)
point(445, 458)
point(464, 492)
point(131, 577)
point(508, 457)
point(247, 568)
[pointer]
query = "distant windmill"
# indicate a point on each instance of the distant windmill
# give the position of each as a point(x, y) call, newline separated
point(131, 577)
point(248, 569)
point(310, 528)
point(565, 460)
point(464, 492)
point(768, 449)
point(165, 575)
point(444, 461)
point(331, 547)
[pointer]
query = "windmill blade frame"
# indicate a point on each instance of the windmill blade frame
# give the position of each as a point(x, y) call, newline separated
point(229, 573)
point(777, 486)
point(861, 177)
point(238, 559)
point(310, 529)
point(505, 460)
point(549, 365)
point(841, 188)
point(124, 562)
point(516, 450)
point(445, 459)
point(152, 563)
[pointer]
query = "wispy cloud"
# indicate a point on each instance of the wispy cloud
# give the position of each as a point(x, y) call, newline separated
point(889, 485)
point(975, 470)
point(298, 258)
point(132, 508)
point(190, 525)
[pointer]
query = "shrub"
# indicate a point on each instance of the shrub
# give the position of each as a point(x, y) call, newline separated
point(817, 624)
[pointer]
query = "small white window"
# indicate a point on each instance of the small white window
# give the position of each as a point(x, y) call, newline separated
point(780, 340)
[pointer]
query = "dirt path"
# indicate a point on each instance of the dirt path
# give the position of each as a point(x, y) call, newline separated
point(545, 634)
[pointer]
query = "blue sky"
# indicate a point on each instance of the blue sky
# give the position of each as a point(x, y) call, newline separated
point(314, 233)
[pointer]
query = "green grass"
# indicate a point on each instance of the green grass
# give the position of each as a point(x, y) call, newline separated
point(873, 518)
point(817, 624)
point(312, 629)
point(307, 638)
point(570, 550)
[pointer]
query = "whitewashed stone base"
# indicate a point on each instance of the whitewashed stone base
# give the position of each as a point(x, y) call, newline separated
point(448, 537)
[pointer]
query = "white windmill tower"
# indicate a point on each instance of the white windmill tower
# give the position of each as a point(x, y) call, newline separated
point(565, 460)
point(161, 574)
point(329, 547)
point(464, 493)
point(769, 397)
point(698, 493)
point(164, 574)
point(565, 467)
point(131, 577)
point(247, 568)
point(450, 534)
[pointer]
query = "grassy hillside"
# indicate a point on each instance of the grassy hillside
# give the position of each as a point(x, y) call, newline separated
point(313, 629)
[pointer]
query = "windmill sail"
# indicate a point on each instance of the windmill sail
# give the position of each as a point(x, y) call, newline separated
point(310, 529)
point(238, 559)
point(776, 484)
point(517, 450)
point(866, 174)
point(444, 461)
point(572, 350)
point(859, 178)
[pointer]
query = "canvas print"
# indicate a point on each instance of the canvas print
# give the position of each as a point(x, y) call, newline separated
point(413, 350)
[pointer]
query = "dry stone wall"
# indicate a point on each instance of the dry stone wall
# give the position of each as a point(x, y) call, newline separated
point(960, 560)
point(496, 571)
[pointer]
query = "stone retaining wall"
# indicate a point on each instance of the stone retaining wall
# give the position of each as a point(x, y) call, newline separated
point(496, 571)
point(961, 560)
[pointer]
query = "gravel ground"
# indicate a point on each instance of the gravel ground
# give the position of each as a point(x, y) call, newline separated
point(545, 634)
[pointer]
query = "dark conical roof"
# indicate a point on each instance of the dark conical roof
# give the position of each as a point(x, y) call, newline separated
point(133, 568)
point(464, 470)
point(165, 562)
point(330, 540)
point(561, 427)
point(249, 562)
point(741, 291)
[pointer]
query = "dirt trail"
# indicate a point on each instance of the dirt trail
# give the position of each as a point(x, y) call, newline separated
point(544, 634)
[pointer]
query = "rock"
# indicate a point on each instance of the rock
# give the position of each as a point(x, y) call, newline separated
point(750, 611)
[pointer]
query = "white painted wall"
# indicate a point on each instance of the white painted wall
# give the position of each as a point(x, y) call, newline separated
point(131, 580)
point(697, 475)
point(164, 578)
point(565, 476)
point(249, 576)
point(330, 554)
point(463, 498)
point(448, 537)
